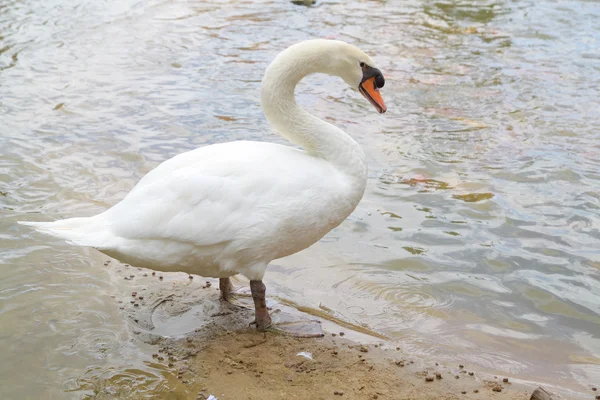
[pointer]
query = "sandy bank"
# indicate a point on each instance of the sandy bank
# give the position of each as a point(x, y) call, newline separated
point(206, 347)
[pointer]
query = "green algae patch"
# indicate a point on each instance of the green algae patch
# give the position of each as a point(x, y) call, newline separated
point(473, 197)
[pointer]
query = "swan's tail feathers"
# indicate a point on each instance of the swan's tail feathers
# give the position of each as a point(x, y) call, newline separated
point(78, 231)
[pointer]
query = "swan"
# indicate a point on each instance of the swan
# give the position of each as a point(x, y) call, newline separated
point(232, 208)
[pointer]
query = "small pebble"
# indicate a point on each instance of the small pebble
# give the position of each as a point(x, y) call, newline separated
point(471, 373)
point(208, 284)
point(463, 392)
point(429, 379)
point(134, 294)
point(598, 397)
point(160, 277)
point(363, 349)
point(338, 393)
point(154, 355)
point(132, 301)
point(141, 297)
point(400, 363)
point(497, 388)
point(342, 334)
point(594, 389)
point(153, 273)
point(145, 274)
point(374, 397)
point(171, 364)
point(457, 376)
point(190, 277)
point(438, 375)
point(461, 366)
point(505, 380)
point(131, 276)
point(136, 305)
point(334, 334)
point(475, 390)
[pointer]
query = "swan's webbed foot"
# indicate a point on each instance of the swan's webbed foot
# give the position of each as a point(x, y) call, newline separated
point(263, 321)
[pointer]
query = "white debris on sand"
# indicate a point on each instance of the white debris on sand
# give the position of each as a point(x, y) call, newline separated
point(305, 354)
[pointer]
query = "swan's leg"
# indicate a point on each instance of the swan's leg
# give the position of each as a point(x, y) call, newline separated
point(263, 319)
point(231, 296)
point(226, 288)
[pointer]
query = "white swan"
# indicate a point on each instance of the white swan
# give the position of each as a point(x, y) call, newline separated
point(232, 208)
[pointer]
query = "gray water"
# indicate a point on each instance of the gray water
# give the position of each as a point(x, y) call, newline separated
point(478, 238)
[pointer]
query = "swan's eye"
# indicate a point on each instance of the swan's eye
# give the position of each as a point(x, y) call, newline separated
point(362, 64)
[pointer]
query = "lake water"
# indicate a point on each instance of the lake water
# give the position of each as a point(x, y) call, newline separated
point(479, 235)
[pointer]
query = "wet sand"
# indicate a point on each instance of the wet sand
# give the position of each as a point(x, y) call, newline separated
point(249, 365)
point(206, 347)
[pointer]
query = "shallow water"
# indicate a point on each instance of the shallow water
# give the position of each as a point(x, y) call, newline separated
point(478, 238)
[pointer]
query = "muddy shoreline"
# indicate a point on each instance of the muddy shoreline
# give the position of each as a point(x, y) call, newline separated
point(247, 365)
point(205, 347)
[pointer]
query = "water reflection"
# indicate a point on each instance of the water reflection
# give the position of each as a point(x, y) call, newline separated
point(479, 224)
point(467, 11)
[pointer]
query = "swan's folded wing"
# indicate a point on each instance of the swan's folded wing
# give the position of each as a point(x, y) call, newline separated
point(225, 201)
point(186, 207)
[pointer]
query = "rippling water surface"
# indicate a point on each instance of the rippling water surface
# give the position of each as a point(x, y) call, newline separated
point(478, 236)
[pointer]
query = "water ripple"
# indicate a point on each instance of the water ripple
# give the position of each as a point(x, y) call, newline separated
point(479, 223)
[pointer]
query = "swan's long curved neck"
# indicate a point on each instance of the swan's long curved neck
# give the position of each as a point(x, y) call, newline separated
point(314, 135)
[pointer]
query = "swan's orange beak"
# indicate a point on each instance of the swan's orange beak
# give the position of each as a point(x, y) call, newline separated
point(369, 89)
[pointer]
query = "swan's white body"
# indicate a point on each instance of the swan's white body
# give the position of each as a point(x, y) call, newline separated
point(232, 208)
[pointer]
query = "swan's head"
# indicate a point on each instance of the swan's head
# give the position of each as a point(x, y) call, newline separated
point(359, 71)
point(332, 57)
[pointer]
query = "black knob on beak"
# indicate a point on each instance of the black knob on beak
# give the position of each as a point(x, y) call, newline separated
point(379, 80)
